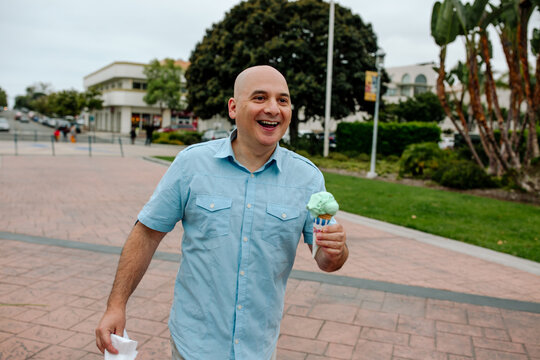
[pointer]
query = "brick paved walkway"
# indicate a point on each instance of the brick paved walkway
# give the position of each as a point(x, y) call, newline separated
point(51, 297)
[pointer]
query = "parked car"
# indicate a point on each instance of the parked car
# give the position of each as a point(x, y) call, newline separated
point(214, 134)
point(4, 124)
point(24, 119)
point(177, 127)
point(331, 139)
point(446, 143)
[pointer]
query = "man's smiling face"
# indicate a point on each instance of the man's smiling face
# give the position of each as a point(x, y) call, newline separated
point(261, 107)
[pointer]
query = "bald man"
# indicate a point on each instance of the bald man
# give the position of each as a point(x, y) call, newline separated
point(242, 203)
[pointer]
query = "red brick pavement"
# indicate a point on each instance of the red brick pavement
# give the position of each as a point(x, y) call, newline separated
point(51, 298)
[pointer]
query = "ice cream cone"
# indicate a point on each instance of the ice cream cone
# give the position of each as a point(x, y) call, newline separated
point(319, 222)
point(322, 206)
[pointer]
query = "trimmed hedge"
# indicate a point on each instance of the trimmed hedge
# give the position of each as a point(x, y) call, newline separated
point(392, 138)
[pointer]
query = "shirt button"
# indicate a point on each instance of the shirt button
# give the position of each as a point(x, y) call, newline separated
point(242, 272)
point(249, 206)
point(245, 239)
point(239, 307)
point(284, 215)
point(236, 341)
point(212, 205)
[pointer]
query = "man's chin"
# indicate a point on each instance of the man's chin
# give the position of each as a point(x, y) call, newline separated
point(270, 139)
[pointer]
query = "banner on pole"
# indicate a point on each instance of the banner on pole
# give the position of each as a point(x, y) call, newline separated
point(370, 93)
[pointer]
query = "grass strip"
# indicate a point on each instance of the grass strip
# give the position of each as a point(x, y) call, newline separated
point(503, 226)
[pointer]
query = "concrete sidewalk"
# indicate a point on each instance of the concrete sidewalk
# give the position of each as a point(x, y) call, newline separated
point(402, 294)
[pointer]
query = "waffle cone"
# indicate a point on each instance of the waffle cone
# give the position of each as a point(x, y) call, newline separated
point(325, 216)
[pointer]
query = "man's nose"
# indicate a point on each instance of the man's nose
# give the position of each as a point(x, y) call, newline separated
point(272, 107)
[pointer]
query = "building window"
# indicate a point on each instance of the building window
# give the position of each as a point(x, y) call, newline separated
point(139, 85)
point(406, 79)
point(420, 85)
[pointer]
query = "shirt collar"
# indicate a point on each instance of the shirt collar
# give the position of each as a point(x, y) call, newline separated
point(226, 151)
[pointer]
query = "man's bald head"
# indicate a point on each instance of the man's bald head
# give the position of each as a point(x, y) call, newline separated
point(254, 72)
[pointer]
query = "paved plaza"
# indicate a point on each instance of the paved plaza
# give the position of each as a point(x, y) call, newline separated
point(402, 294)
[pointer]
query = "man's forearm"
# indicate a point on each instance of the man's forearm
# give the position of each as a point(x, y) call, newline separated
point(137, 253)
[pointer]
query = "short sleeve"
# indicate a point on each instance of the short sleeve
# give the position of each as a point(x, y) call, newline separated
point(166, 206)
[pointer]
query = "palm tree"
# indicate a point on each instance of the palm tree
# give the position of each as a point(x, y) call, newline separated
point(451, 19)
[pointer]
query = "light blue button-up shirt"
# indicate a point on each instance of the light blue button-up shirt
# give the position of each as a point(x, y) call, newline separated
point(241, 232)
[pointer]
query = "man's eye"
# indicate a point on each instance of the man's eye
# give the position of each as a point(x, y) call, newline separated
point(259, 98)
point(284, 100)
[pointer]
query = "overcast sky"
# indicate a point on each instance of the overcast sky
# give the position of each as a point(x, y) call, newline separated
point(60, 41)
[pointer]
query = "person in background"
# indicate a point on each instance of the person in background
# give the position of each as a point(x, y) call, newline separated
point(73, 133)
point(242, 202)
point(133, 134)
point(149, 134)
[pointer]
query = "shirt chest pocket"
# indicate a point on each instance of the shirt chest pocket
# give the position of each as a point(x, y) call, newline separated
point(282, 223)
point(214, 213)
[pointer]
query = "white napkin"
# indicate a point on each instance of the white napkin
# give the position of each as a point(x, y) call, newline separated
point(126, 348)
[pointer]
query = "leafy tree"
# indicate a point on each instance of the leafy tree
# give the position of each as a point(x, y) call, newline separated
point(66, 102)
point(92, 100)
point(3, 98)
point(163, 84)
point(34, 98)
point(292, 36)
point(424, 107)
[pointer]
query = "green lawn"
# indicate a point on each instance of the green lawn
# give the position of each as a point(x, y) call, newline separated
point(503, 226)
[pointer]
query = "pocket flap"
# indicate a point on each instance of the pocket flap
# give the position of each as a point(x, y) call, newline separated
point(213, 202)
point(281, 212)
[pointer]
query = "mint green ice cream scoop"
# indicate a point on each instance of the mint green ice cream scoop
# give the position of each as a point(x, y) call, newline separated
point(322, 203)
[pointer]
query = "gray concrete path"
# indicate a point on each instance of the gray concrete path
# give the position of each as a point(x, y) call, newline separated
point(402, 295)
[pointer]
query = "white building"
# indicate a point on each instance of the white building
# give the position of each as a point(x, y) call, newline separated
point(123, 86)
point(411, 80)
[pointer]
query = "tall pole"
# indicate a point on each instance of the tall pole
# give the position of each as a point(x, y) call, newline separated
point(372, 174)
point(329, 65)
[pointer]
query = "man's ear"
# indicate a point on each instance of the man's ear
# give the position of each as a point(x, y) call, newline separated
point(232, 108)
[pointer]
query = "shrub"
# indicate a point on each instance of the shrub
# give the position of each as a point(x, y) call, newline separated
point(309, 143)
point(419, 160)
point(363, 157)
point(393, 138)
point(462, 174)
point(338, 156)
point(177, 138)
point(187, 137)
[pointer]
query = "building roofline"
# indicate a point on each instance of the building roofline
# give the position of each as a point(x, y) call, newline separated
point(115, 63)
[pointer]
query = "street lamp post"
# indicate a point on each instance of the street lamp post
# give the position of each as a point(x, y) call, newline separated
point(378, 64)
point(329, 65)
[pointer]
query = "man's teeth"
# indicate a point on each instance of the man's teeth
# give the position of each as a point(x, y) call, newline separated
point(268, 123)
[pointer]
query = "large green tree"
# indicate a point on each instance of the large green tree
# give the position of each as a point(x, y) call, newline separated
point(292, 36)
point(3, 98)
point(163, 84)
